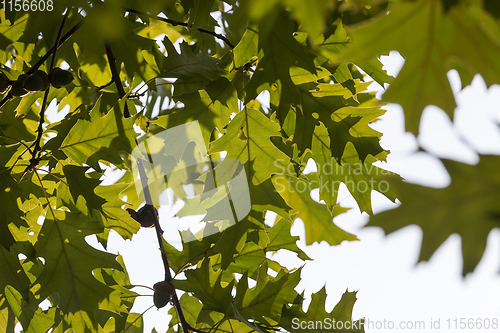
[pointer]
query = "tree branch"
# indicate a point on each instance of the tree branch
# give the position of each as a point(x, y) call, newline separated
point(54, 49)
point(159, 232)
point(7, 98)
point(46, 56)
point(115, 74)
point(36, 153)
point(175, 23)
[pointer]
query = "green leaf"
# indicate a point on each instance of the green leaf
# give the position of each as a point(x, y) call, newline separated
point(191, 308)
point(232, 241)
point(200, 13)
point(279, 51)
point(79, 190)
point(267, 298)
point(296, 321)
point(333, 45)
point(69, 262)
point(42, 320)
point(316, 217)
point(430, 41)
point(211, 108)
point(18, 305)
point(265, 197)
point(11, 31)
point(359, 177)
point(13, 274)
point(100, 138)
point(117, 315)
point(9, 192)
point(311, 14)
point(246, 48)
point(15, 129)
point(205, 284)
point(248, 139)
point(187, 66)
point(192, 251)
point(129, 50)
point(112, 214)
point(326, 103)
point(281, 239)
point(248, 259)
point(472, 215)
point(252, 255)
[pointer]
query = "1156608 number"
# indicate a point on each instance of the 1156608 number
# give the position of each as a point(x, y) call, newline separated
point(27, 5)
point(472, 323)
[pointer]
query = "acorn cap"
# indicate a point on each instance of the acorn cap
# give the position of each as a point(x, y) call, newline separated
point(4, 83)
point(60, 78)
point(38, 81)
point(145, 215)
point(163, 292)
point(18, 86)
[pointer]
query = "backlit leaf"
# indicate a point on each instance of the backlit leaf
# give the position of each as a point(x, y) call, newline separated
point(430, 40)
point(441, 212)
point(316, 217)
point(97, 138)
point(68, 257)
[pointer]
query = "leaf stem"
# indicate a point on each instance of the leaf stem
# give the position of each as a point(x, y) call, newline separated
point(36, 153)
point(132, 323)
point(115, 74)
point(53, 50)
point(46, 56)
point(175, 23)
point(159, 232)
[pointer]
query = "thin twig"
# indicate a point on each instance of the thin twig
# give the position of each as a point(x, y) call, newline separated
point(159, 232)
point(7, 98)
point(36, 154)
point(105, 85)
point(51, 51)
point(14, 139)
point(46, 56)
point(175, 23)
point(115, 74)
point(46, 196)
point(192, 329)
point(132, 323)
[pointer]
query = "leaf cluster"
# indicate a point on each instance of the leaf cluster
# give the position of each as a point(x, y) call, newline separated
point(137, 71)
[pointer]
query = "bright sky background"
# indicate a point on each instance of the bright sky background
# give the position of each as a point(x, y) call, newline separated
point(382, 269)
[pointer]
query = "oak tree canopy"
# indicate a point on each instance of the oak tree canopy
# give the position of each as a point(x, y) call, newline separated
point(125, 71)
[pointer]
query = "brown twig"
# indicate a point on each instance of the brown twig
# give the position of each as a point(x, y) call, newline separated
point(159, 232)
point(54, 49)
point(7, 98)
point(175, 23)
point(36, 153)
point(115, 74)
point(46, 56)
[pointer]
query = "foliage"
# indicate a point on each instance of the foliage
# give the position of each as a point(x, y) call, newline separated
point(310, 58)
